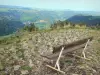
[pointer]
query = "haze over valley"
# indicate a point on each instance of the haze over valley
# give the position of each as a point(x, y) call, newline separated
point(49, 37)
point(13, 18)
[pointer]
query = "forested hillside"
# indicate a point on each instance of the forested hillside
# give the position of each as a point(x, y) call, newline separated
point(14, 17)
point(9, 25)
point(89, 20)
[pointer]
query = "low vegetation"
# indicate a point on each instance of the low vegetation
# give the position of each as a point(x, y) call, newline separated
point(30, 27)
point(20, 53)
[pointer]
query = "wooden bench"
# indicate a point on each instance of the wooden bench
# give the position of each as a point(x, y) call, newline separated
point(65, 49)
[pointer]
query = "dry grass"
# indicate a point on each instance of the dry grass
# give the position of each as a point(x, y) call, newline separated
point(25, 51)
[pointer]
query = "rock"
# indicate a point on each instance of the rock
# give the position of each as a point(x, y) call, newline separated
point(24, 72)
point(75, 74)
point(16, 67)
point(30, 63)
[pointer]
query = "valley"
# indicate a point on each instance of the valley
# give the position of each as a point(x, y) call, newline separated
point(28, 33)
point(18, 17)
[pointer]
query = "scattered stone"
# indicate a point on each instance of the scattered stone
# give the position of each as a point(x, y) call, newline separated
point(27, 52)
point(30, 63)
point(16, 67)
point(24, 72)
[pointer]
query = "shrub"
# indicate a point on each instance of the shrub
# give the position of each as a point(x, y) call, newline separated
point(30, 27)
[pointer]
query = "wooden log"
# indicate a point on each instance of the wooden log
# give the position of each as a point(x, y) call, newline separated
point(67, 54)
point(70, 47)
point(55, 69)
point(52, 56)
point(73, 44)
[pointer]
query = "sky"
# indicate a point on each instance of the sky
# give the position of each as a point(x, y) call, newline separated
point(78, 5)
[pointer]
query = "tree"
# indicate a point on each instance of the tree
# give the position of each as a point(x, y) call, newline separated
point(31, 27)
point(82, 24)
point(66, 22)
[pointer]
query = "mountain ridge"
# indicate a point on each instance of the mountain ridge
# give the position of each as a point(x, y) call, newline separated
point(89, 20)
point(26, 15)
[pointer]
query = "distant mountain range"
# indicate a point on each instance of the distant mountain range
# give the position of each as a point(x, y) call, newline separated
point(40, 17)
point(86, 19)
point(25, 14)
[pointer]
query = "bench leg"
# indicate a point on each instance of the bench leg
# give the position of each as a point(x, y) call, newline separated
point(57, 65)
point(56, 69)
point(85, 49)
point(57, 62)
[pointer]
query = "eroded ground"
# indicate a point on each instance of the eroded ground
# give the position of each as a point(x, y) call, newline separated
point(20, 55)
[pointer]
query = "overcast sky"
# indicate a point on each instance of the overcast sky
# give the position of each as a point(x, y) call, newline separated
point(85, 5)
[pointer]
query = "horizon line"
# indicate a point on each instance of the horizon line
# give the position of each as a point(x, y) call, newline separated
point(48, 8)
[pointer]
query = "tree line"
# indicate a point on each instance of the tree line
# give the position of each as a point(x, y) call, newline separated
point(60, 24)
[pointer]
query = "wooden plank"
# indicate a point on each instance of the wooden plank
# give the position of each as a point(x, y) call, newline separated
point(55, 69)
point(73, 44)
point(52, 56)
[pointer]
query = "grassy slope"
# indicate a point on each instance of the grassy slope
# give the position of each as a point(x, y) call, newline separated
point(22, 49)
